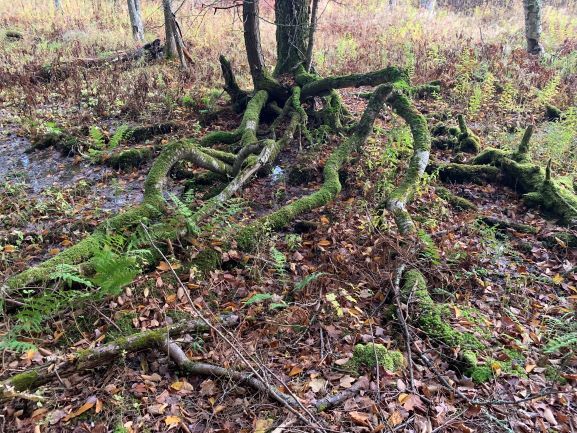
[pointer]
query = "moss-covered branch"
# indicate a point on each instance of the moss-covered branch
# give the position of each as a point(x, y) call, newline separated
point(331, 185)
point(324, 86)
point(153, 202)
point(398, 199)
point(66, 365)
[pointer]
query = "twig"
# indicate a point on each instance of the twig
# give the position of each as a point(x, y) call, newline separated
point(336, 399)
point(397, 294)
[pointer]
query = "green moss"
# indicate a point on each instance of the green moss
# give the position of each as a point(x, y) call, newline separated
point(439, 129)
point(371, 354)
point(552, 373)
point(481, 374)
point(430, 315)
point(454, 200)
point(129, 158)
point(207, 260)
point(24, 381)
point(469, 143)
point(479, 174)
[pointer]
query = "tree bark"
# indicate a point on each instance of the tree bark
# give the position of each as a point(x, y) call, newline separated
point(170, 40)
point(136, 20)
point(250, 14)
point(292, 21)
point(311, 43)
point(429, 5)
point(533, 26)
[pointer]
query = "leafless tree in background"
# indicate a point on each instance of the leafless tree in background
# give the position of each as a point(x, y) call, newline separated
point(533, 26)
point(134, 11)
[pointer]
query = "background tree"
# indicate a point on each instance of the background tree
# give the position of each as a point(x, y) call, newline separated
point(173, 45)
point(134, 11)
point(533, 26)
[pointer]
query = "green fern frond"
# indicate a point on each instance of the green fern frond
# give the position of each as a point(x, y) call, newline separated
point(97, 137)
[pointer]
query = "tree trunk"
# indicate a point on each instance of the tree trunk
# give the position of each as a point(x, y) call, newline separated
point(292, 21)
point(533, 26)
point(170, 40)
point(136, 20)
point(250, 14)
point(429, 5)
point(311, 43)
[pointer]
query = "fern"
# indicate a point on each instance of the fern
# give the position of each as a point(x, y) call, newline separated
point(279, 263)
point(122, 133)
point(562, 342)
point(113, 272)
point(186, 213)
point(97, 137)
point(307, 280)
point(549, 91)
point(114, 269)
point(69, 274)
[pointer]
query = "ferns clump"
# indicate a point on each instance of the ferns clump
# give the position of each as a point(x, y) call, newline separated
point(114, 268)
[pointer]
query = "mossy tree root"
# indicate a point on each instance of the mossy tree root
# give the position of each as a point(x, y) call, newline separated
point(323, 86)
point(248, 236)
point(153, 203)
point(427, 315)
point(63, 366)
point(401, 195)
point(515, 169)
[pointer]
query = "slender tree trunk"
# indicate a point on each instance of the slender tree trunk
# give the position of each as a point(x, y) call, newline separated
point(292, 29)
point(136, 20)
point(533, 26)
point(430, 5)
point(170, 40)
point(313, 27)
point(250, 14)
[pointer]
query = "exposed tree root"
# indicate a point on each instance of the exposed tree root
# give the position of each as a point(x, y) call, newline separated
point(64, 366)
point(516, 170)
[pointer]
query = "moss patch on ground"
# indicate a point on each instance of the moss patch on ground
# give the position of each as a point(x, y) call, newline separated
point(371, 354)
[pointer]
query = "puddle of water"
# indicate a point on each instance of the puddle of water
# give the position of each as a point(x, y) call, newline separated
point(43, 169)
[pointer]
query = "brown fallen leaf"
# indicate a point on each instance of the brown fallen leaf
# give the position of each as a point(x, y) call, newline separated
point(360, 418)
point(85, 407)
point(172, 420)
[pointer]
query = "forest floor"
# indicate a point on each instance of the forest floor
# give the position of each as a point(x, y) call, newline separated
point(312, 292)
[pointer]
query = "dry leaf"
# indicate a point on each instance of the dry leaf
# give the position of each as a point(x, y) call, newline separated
point(317, 384)
point(171, 420)
point(295, 370)
point(395, 419)
point(262, 425)
point(86, 406)
point(346, 381)
point(360, 418)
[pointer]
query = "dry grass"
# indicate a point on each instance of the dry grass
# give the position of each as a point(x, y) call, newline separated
point(356, 36)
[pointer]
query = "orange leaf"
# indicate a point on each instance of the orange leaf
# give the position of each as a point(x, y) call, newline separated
point(395, 419)
point(360, 418)
point(324, 243)
point(9, 248)
point(86, 406)
point(171, 420)
point(295, 370)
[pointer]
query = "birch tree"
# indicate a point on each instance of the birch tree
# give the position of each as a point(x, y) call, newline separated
point(134, 11)
point(533, 25)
